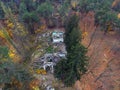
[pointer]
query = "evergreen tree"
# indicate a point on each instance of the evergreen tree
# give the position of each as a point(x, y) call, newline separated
point(1, 13)
point(27, 14)
point(45, 10)
point(30, 5)
point(105, 14)
point(71, 24)
point(22, 8)
point(29, 18)
point(75, 65)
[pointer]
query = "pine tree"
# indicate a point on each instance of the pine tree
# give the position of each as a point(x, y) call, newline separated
point(71, 23)
point(1, 13)
point(75, 65)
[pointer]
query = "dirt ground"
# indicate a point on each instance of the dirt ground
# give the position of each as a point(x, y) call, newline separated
point(104, 61)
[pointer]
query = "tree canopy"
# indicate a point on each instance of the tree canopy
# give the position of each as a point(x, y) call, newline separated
point(74, 66)
point(12, 75)
point(45, 9)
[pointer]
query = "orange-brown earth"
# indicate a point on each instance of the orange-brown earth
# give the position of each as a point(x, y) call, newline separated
point(104, 61)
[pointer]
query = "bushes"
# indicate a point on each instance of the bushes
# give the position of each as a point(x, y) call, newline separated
point(13, 75)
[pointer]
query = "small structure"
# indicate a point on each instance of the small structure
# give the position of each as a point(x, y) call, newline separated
point(49, 87)
point(48, 61)
point(57, 37)
point(59, 55)
point(50, 65)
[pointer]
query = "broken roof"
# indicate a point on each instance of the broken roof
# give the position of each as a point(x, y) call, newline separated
point(56, 33)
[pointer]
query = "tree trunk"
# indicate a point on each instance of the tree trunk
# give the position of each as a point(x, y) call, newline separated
point(31, 28)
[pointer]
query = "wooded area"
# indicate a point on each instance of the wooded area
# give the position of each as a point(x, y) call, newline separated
point(82, 30)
